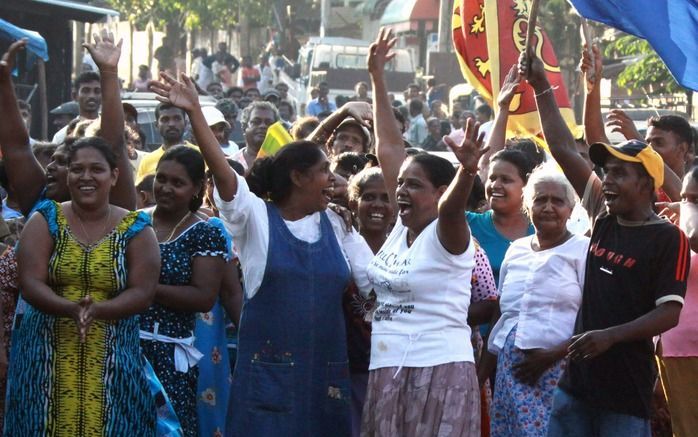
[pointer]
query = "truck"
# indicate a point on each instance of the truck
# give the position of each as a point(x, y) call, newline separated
point(341, 62)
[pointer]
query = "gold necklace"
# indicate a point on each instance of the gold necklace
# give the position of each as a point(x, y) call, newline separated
point(82, 226)
point(174, 230)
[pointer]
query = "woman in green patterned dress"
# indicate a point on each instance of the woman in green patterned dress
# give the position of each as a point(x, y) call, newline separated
point(87, 268)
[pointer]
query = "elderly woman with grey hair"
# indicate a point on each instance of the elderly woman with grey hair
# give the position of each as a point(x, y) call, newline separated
point(541, 290)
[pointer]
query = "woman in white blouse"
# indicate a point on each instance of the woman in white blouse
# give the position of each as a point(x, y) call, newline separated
point(291, 376)
point(541, 289)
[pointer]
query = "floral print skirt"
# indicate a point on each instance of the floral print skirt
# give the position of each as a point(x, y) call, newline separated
point(519, 409)
point(442, 400)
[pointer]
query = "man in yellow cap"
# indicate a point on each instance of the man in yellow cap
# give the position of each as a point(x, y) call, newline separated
point(634, 285)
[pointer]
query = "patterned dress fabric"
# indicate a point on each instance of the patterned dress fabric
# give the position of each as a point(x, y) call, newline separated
point(58, 386)
point(177, 256)
point(519, 409)
point(215, 375)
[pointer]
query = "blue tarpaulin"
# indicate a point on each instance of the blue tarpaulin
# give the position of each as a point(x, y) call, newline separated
point(670, 26)
point(36, 44)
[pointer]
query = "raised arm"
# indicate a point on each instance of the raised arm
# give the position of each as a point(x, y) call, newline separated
point(453, 229)
point(23, 170)
point(557, 135)
point(183, 94)
point(361, 111)
point(594, 131)
point(390, 146)
point(106, 55)
point(498, 134)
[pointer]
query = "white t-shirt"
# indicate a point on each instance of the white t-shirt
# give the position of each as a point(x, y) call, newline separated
point(230, 149)
point(246, 219)
point(423, 295)
point(541, 292)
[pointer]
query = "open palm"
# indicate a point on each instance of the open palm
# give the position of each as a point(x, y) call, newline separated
point(104, 52)
point(180, 93)
point(470, 149)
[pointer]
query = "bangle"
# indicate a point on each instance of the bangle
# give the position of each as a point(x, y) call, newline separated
point(550, 89)
point(471, 173)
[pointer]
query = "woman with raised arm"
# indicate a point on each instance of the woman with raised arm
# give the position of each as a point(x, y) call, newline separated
point(297, 258)
point(422, 378)
point(193, 253)
point(87, 268)
point(23, 170)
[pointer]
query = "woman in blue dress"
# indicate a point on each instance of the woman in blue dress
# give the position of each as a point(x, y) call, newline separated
point(193, 254)
point(292, 375)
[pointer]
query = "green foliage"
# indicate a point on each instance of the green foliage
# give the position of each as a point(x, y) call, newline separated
point(193, 14)
point(648, 72)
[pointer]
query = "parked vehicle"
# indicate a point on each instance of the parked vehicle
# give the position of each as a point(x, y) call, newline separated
point(341, 62)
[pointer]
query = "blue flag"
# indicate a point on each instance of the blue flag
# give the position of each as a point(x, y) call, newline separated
point(670, 26)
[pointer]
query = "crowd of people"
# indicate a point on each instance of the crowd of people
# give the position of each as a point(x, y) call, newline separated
point(374, 288)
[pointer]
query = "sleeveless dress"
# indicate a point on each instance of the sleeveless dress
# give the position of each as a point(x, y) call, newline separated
point(292, 374)
point(167, 333)
point(58, 386)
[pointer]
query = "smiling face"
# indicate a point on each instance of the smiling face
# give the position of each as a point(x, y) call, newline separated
point(417, 197)
point(316, 185)
point(373, 209)
point(171, 124)
point(626, 188)
point(173, 188)
point(550, 209)
point(57, 176)
point(90, 178)
point(504, 187)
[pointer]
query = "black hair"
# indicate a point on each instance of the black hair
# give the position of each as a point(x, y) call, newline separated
point(88, 76)
point(231, 90)
point(96, 143)
point(518, 159)
point(485, 110)
point(416, 106)
point(286, 103)
point(439, 170)
point(146, 184)
point(270, 177)
point(529, 148)
point(193, 163)
point(164, 106)
point(431, 82)
point(676, 124)
point(351, 162)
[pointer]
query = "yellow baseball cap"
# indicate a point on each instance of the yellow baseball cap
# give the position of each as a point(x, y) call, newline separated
point(631, 151)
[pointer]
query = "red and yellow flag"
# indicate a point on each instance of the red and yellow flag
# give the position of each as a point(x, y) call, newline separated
point(488, 36)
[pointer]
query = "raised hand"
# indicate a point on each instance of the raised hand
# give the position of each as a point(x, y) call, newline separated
point(7, 63)
point(180, 93)
point(588, 60)
point(379, 52)
point(619, 121)
point(470, 150)
point(104, 52)
point(532, 69)
point(509, 87)
point(360, 111)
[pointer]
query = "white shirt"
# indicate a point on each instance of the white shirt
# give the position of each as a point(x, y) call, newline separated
point(541, 292)
point(230, 149)
point(423, 295)
point(246, 219)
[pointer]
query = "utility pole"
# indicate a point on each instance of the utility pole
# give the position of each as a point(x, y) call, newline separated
point(324, 17)
point(445, 11)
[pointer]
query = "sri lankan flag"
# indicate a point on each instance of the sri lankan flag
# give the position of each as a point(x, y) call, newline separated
point(488, 36)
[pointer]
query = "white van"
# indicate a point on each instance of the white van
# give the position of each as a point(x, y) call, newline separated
point(341, 62)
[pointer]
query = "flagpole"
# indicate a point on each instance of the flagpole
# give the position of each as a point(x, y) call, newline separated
point(531, 28)
point(586, 34)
